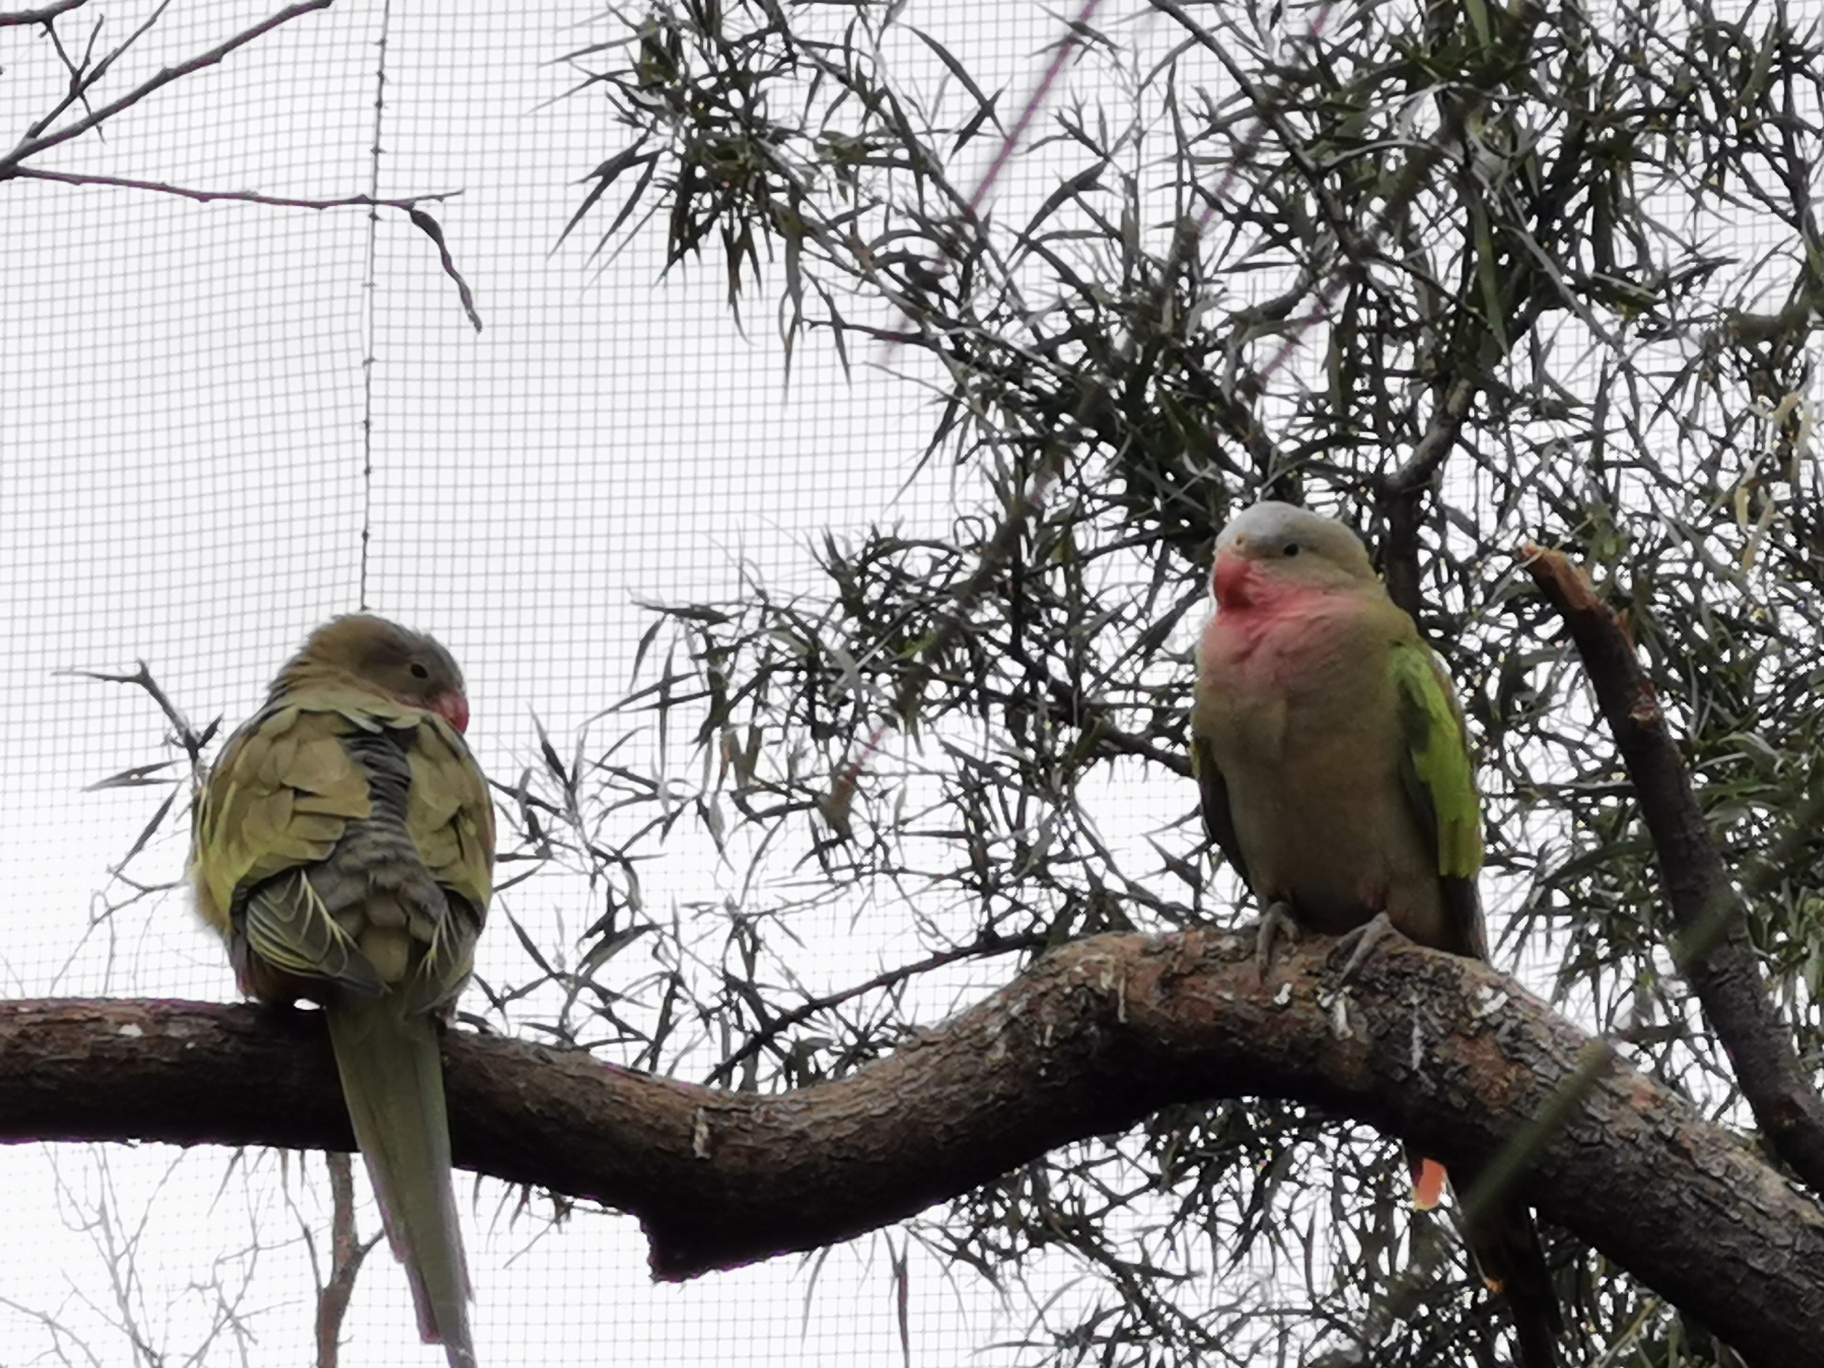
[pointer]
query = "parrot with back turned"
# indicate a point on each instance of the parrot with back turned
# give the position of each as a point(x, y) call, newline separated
point(343, 846)
point(1336, 779)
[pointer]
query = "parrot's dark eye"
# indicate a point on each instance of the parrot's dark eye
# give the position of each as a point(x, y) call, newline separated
point(1291, 548)
point(418, 670)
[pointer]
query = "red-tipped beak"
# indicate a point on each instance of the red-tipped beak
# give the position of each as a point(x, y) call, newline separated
point(1230, 580)
point(454, 709)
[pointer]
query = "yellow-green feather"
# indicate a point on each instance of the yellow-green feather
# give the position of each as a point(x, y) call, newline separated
point(450, 817)
point(1218, 821)
point(281, 796)
point(1441, 774)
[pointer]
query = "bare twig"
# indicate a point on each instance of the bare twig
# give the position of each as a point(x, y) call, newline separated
point(32, 146)
point(13, 18)
point(405, 203)
point(347, 1251)
point(1401, 495)
point(89, 75)
point(79, 83)
point(188, 737)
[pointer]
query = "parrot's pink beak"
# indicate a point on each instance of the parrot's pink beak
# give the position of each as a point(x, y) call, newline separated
point(453, 708)
point(1231, 580)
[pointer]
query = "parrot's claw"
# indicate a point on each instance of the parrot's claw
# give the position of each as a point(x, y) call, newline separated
point(1274, 922)
point(1363, 942)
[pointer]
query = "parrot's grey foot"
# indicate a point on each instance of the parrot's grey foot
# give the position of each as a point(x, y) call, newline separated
point(1363, 942)
point(1274, 922)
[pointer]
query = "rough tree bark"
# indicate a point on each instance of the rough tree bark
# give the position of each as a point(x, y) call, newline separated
point(1438, 1050)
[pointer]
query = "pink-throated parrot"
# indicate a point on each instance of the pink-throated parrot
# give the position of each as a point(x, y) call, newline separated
point(1336, 778)
point(343, 846)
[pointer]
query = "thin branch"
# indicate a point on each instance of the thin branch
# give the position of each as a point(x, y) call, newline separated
point(346, 1255)
point(1711, 949)
point(13, 18)
point(1061, 53)
point(31, 147)
point(188, 737)
point(804, 1011)
point(404, 204)
point(79, 83)
point(90, 76)
point(1401, 496)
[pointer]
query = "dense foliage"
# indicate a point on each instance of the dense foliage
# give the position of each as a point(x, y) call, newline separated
point(1467, 275)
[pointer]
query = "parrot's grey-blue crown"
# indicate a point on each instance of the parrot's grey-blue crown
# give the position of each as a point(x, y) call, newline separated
point(1271, 530)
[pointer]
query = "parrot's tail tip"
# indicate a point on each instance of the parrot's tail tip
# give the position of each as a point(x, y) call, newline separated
point(1428, 1178)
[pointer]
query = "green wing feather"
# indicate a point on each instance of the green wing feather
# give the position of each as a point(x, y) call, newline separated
point(1440, 780)
point(1441, 784)
point(450, 819)
point(450, 816)
point(280, 797)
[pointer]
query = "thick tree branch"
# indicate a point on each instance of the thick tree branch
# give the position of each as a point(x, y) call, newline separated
point(1438, 1049)
point(1712, 950)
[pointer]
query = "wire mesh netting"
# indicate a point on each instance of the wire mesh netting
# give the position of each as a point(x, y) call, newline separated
point(336, 312)
point(224, 423)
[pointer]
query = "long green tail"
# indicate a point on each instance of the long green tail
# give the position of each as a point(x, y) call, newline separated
point(392, 1078)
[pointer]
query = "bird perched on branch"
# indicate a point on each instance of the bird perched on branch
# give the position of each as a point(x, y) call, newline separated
point(343, 846)
point(1336, 779)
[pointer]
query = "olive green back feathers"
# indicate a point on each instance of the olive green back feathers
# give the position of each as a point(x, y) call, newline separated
point(343, 847)
point(345, 838)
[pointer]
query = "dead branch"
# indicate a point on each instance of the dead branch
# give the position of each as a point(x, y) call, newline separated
point(347, 1252)
point(1712, 950)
